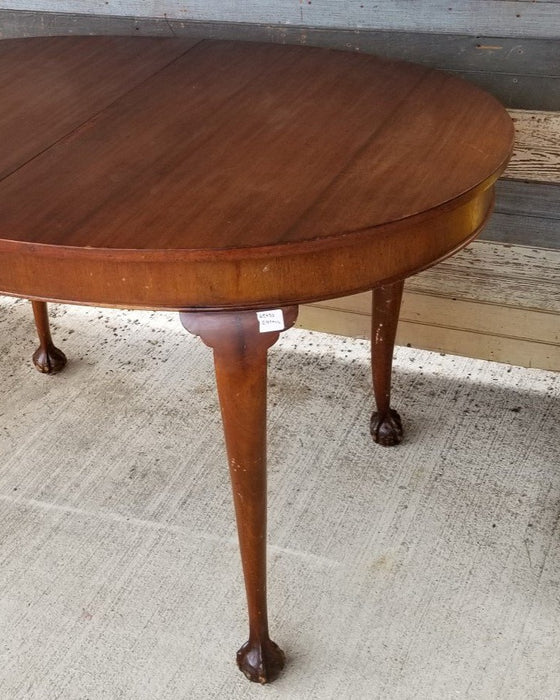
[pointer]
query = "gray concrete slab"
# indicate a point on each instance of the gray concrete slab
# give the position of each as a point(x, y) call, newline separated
point(427, 571)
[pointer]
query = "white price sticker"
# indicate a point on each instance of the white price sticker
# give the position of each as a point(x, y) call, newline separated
point(270, 320)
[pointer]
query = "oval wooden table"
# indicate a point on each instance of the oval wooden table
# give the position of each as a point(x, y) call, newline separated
point(232, 182)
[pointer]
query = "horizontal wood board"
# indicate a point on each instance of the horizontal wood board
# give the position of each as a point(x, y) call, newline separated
point(496, 273)
point(453, 312)
point(514, 18)
point(522, 229)
point(456, 341)
point(537, 146)
point(491, 301)
point(526, 213)
point(528, 198)
point(516, 56)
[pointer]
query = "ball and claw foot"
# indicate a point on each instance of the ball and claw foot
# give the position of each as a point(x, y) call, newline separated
point(261, 662)
point(49, 360)
point(387, 429)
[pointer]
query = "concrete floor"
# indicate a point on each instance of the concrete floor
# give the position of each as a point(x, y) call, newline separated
point(430, 570)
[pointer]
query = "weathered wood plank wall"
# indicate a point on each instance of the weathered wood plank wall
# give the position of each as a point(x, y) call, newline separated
point(537, 150)
point(499, 299)
point(495, 301)
point(514, 18)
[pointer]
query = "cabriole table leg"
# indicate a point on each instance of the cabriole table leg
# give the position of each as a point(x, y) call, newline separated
point(240, 341)
point(386, 425)
point(47, 358)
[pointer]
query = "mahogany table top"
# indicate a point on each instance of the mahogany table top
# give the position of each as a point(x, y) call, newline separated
point(171, 173)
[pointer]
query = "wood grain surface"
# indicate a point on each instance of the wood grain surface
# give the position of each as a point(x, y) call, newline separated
point(44, 99)
point(537, 146)
point(269, 168)
point(252, 145)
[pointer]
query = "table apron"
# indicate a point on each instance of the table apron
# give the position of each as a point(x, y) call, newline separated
point(244, 278)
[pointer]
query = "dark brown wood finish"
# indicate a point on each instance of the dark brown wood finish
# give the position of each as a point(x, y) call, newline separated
point(223, 178)
point(48, 359)
point(45, 97)
point(262, 166)
point(240, 348)
point(386, 426)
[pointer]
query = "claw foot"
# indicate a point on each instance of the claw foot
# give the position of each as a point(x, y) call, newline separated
point(386, 430)
point(261, 662)
point(49, 360)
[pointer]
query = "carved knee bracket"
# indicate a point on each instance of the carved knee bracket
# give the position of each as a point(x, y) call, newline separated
point(225, 330)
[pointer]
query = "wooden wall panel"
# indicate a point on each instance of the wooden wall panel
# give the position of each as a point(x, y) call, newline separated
point(496, 273)
point(512, 18)
point(537, 147)
point(526, 213)
point(491, 301)
point(428, 335)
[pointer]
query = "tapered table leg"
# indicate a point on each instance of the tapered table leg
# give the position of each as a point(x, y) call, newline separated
point(47, 358)
point(386, 425)
point(240, 342)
